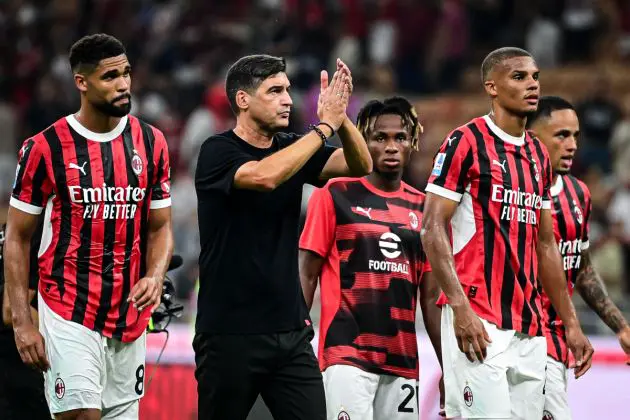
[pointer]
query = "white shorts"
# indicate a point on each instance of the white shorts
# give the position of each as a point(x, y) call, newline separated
point(556, 399)
point(352, 393)
point(88, 370)
point(507, 385)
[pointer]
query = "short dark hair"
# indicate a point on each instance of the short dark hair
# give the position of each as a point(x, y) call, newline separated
point(396, 105)
point(249, 72)
point(546, 105)
point(498, 56)
point(87, 52)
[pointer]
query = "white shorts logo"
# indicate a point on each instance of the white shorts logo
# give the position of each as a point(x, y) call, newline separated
point(343, 416)
point(389, 243)
point(547, 415)
point(468, 396)
point(60, 388)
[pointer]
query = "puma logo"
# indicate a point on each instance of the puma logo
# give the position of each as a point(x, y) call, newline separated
point(450, 140)
point(81, 168)
point(365, 211)
point(501, 164)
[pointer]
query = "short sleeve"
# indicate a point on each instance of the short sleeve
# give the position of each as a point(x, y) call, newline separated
point(219, 159)
point(319, 229)
point(451, 167)
point(161, 186)
point(315, 165)
point(32, 186)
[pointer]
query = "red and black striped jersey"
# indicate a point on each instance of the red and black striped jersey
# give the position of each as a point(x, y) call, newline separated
point(97, 190)
point(374, 261)
point(571, 211)
point(502, 185)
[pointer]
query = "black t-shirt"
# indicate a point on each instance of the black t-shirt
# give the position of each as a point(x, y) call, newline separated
point(248, 279)
point(7, 340)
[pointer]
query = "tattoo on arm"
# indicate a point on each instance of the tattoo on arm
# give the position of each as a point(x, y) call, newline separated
point(593, 291)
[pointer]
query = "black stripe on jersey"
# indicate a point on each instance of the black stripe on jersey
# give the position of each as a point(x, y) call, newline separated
point(109, 239)
point(526, 313)
point(484, 194)
point(456, 137)
point(65, 228)
point(130, 234)
point(83, 253)
point(158, 194)
point(23, 162)
point(149, 143)
point(467, 163)
point(37, 195)
point(534, 296)
point(578, 190)
point(553, 315)
point(507, 283)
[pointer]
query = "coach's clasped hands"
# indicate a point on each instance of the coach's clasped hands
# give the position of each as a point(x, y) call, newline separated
point(146, 293)
point(472, 337)
point(30, 345)
point(333, 97)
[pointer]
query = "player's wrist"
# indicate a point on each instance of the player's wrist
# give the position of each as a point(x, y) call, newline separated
point(623, 331)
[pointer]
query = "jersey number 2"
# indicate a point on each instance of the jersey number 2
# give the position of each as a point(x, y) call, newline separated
point(403, 407)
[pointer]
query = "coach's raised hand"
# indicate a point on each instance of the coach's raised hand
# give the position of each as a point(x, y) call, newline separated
point(146, 293)
point(333, 98)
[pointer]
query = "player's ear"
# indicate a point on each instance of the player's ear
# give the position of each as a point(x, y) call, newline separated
point(491, 88)
point(80, 80)
point(242, 100)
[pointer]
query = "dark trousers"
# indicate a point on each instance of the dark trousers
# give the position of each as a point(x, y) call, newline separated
point(232, 370)
point(21, 392)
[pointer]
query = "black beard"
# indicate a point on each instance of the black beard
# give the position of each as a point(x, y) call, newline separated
point(111, 110)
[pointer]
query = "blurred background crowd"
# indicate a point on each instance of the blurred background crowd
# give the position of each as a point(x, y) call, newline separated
point(428, 50)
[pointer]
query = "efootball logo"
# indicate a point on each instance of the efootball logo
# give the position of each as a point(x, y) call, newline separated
point(389, 243)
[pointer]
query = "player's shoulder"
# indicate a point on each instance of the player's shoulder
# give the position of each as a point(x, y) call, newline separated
point(145, 126)
point(580, 186)
point(412, 194)
point(468, 132)
point(340, 183)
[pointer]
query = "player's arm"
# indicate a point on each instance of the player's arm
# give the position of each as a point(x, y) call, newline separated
point(272, 171)
point(316, 240)
point(310, 269)
point(591, 287)
point(30, 343)
point(436, 217)
point(431, 313)
point(554, 284)
point(6, 308)
point(353, 159)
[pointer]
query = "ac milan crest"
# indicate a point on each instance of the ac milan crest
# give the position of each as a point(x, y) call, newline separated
point(60, 388)
point(343, 416)
point(547, 415)
point(136, 163)
point(578, 213)
point(468, 396)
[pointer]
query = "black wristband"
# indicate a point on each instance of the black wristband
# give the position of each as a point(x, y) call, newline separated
point(332, 130)
point(319, 132)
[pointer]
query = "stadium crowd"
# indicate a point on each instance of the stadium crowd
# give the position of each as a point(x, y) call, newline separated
point(428, 49)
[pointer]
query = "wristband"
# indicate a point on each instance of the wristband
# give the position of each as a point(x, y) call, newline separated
point(332, 130)
point(320, 133)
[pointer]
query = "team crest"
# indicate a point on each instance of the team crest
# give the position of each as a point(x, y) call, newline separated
point(60, 388)
point(578, 213)
point(468, 396)
point(536, 173)
point(547, 415)
point(413, 220)
point(136, 163)
point(343, 416)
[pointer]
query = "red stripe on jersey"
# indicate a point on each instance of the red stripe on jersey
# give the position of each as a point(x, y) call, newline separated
point(370, 276)
point(571, 208)
point(501, 186)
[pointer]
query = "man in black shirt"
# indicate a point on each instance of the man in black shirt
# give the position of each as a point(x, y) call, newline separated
point(21, 388)
point(253, 329)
